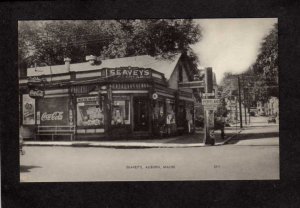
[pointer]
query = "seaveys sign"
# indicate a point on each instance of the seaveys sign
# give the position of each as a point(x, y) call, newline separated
point(129, 73)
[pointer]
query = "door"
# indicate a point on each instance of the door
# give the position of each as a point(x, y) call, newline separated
point(140, 114)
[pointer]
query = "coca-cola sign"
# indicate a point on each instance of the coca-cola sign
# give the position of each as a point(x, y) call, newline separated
point(36, 93)
point(55, 116)
point(54, 111)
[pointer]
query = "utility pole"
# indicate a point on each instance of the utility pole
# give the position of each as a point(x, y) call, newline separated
point(240, 104)
point(245, 102)
point(208, 114)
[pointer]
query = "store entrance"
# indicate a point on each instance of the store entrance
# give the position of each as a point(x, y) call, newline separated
point(140, 114)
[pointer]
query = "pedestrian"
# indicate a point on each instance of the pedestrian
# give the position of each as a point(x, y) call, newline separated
point(223, 126)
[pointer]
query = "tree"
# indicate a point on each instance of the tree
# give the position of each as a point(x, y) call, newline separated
point(266, 67)
point(48, 42)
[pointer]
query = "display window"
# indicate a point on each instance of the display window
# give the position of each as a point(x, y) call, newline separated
point(120, 111)
point(170, 109)
point(158, 110)
point(90, 111)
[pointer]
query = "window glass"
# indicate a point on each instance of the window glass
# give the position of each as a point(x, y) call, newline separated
point(120, 111)
point(170, 108)
point(90, 112)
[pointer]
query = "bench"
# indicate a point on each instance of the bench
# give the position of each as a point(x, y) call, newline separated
point(56, 131)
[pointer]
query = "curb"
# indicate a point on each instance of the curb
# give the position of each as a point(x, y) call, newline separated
point(125, 146)
point(120, 146)
point(231, 137)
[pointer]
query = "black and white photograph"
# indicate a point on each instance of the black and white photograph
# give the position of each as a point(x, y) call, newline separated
point(148, 100)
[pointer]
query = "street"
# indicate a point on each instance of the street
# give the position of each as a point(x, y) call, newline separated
point(251, 155)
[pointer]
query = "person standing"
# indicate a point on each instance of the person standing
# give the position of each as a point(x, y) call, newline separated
point(223, 126)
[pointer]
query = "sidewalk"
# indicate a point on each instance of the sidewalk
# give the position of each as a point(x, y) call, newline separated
point(190, 140)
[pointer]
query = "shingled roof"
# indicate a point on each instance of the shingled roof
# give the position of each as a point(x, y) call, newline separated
point(165, 66)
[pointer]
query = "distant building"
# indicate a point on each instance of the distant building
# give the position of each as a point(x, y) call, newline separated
point(269, 108)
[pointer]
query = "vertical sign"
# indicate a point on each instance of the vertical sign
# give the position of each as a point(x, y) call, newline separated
point(210, 118)
point(209, 80)
point(28, 110)
point(38, 117)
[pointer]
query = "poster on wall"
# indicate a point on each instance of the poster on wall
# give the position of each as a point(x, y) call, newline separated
point(28, 110)
point(53, 111)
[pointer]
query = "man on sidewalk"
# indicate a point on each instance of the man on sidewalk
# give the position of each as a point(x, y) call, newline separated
point(220, 124)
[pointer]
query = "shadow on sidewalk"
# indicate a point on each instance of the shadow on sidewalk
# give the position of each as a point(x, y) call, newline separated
point(250, 136)
point(26, 168)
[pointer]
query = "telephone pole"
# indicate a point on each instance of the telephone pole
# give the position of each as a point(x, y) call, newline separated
point(240, 103)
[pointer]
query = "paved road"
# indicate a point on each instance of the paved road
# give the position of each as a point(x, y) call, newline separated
point(253, 155)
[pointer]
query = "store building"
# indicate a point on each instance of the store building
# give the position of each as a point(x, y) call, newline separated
point(131, 97)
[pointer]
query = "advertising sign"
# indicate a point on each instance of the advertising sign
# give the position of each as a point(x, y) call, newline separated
point(28, 110)
point(129, 73)
point(210, 118)
point(207, 107)
point(210, 101)
point(36, 93)
point(54, 111)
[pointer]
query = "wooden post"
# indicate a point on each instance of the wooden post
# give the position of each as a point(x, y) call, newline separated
point(208, 89)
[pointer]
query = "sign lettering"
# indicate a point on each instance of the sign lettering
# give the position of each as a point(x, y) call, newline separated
point(210, 101)
point(136, 73)
point(55, 116)
point(36, 79)
point(36, 93)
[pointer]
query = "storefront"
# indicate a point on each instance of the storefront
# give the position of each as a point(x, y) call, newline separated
point(110, 102)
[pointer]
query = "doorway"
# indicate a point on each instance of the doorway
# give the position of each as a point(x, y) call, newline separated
point(140, 114)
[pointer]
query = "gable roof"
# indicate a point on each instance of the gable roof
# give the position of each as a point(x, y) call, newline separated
point(165, 66)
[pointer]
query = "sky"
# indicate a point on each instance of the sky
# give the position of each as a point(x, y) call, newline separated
point(231, 45)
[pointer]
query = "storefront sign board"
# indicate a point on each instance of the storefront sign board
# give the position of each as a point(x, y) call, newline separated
point(129, 73)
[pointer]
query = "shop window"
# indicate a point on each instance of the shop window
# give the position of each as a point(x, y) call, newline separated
point(120, 111)
point(170, 109)
point(90, 111)
point(158, 110)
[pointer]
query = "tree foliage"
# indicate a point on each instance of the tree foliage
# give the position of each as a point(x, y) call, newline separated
point(267, 61)
point(265, 69)
point(261, 79)
point(48, 42)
